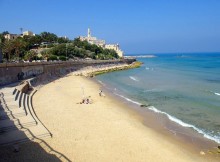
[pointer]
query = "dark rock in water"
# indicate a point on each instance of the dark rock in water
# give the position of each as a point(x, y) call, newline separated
point(218, 147)
point(144, 105)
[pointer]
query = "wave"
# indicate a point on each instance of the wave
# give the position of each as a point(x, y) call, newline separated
point(128, 99)
point(216, 93)
point(152, 90)
point(176, 120)
point(101, 82)
point(180, 122)
point(147, 68)
point(133, 78)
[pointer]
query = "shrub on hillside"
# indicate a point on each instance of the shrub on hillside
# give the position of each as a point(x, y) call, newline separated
point(52, 57)
point(62, 58)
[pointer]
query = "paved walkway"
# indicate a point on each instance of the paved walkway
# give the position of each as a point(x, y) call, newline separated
point(18, 121)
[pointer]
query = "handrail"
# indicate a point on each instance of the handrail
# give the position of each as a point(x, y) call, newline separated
point(24, 104)
point(30, 110)
point(36, 114)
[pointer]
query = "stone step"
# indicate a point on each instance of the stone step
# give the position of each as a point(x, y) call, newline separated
point(11, 115)
point(7, 125)
point(23, 135)
point(12, 108)
point(18, 121)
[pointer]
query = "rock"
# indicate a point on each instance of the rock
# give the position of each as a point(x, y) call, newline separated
point(144, 105)
point(202, 153)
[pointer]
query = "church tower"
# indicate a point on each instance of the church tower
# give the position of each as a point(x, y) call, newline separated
point(89, 33)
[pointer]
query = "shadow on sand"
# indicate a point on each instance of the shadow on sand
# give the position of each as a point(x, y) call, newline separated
point(20, 139)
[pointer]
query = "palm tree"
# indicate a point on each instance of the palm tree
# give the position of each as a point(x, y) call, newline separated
point(19, 46)
point(7, 49)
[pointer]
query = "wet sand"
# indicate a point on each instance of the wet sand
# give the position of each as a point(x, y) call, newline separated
point(106, 130)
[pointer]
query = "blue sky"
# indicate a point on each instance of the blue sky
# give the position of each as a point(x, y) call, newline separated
point(139, 26)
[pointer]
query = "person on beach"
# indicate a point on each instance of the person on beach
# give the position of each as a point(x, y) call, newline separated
point(83, 101)
point(100, 93)
point(87, 100)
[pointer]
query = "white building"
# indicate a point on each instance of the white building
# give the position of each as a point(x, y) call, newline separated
point(14, 36)
point(11, 36)
point(116, 48)
point(28, 33)
point(101, 43)
point(92, 40)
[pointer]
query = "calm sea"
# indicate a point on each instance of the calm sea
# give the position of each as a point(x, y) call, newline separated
point(185, 87)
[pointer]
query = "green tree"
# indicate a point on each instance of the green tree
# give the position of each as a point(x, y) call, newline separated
point(52, 57)
point(32, 41)
point(48, 37)
point(19, 46)
point(62, 40)
point(5, 32)
point(7, 49)
point(62, 58)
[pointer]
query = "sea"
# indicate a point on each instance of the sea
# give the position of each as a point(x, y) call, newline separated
point(183, 87)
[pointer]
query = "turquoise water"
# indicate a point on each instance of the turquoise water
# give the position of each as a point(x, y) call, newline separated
point(184, 87)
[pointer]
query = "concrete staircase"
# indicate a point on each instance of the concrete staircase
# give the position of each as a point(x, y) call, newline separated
point(18, 120)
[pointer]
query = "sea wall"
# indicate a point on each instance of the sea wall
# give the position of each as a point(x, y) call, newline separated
point(13, 72)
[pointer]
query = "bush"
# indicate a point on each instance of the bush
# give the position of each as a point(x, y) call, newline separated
point(52, 57)
point(62, 58)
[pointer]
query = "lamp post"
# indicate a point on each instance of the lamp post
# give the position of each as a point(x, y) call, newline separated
point(0, 51)
point(66, 51)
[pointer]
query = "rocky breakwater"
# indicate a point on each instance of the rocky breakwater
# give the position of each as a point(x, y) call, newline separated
point(94, 70)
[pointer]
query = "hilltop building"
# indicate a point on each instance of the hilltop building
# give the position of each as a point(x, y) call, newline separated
point(11, 36)
point(101, 43)
point(28, 33)
point(14, 36)
point(116, 48)
point(92, 40)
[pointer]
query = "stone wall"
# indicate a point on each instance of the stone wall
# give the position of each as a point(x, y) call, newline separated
point(13, 72)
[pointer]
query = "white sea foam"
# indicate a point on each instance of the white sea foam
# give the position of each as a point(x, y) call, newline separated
point(101, 82)
point(135, 102)
point(152, 90)
point(216, 93)
point(147, 68)
point(174, 119)
point(180, 122)
point(133, 78)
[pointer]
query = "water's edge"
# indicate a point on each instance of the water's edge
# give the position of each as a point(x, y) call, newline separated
point(165, 124)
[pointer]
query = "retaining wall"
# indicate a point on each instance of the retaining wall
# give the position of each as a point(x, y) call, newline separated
point(13, 72)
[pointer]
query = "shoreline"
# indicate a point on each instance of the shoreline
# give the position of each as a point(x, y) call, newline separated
point(109, 129)
point(188, 136)
point(162, 124)
point(90, 127)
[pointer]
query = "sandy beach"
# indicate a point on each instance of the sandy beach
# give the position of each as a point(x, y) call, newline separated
point(101, 131)
point(104, 131)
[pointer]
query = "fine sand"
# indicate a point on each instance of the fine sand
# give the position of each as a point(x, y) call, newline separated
point(104, 131)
